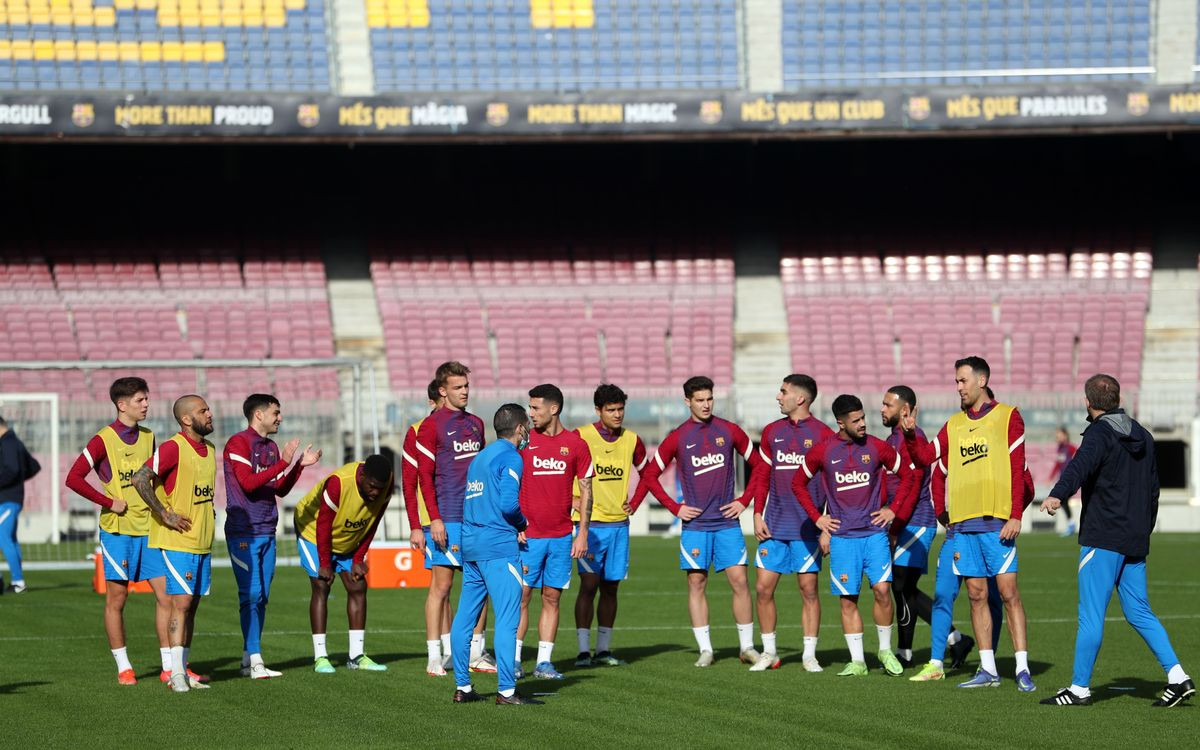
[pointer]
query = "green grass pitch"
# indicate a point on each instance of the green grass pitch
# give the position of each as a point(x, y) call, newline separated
point(58, 682)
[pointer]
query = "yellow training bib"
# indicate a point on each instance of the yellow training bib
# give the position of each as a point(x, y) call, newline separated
point(612, 465)
point(192, 498)
point(978, 469)
point(124, 460)
point(353, 517)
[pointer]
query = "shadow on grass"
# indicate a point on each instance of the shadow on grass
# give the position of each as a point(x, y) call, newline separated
point(17, 687)
point(1129, 687)
point(634, 654)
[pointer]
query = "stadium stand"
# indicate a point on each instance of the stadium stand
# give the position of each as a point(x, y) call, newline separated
point(669, 312)
point(927, 309)
point(554, 45)
point(164, 45)
point(832, 42)
point(194, 300)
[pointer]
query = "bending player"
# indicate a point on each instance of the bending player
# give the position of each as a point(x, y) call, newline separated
point(983, 451)
point(492, 529)
point(448, 440)
point(555, 459)
point(851, 465)
point(124, 519)
point(335, 523)
point(787, 538)
point(256, 473)
point(705, 446)
point(616, 453)
point(178, 484)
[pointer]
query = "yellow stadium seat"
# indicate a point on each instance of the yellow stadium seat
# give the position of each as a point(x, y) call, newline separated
point(188, 18)
point(376, 19)
point(273, 6)
point(276, 19)
point(62, 18)
point(104, 16)
point(5, 49)
point(542, 19)
point(385, 5)
point(564, 18)
point(214, 52)
point(85, 50)
point(22, 49)
point(584, 19)
point(22, 5)
point(540, 6)
point(123, 4)
point(18, 18)
point(59, 5)
point(64, 49)
point(189, 6)
point(150, 51)
point(252, 19)
point(294, 4)
point(210, 18)
point(83, 17)
point(39, 18)
point(193, 51)
point(172, 51)
point(146, 4)
point(228, 5)
point(231, 17)
point(41, 6)
point(106, 50)
point(128, 51)
point(168, 6)
point(210, 6)
point(252, 6)
point(168, 20)
point(43, 49)
point(3, 16)
point(80, 5)
point(418, 19)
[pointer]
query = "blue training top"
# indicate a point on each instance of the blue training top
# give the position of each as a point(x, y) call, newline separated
point(491, 511)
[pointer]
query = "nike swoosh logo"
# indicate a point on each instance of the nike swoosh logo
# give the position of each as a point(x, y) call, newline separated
point(128, 455)
point(835, 462)
point(779, 440)
point(448, 434)
point(693, 445)
point(609, 450)
point(531, 447)
point(972, 429)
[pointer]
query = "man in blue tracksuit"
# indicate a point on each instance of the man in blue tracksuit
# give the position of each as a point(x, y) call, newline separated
point(1115, 468)
point(492, 529)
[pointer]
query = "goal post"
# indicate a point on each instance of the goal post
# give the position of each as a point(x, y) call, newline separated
point(40, 434)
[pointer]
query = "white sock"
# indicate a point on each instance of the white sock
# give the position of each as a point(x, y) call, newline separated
point(937, 663)
point(768, 640)
point(508, 693)
point(177, 662)
point(954, 637)
point(745, 636)
point(987, 660)
point(476, 646)
point(465, 688)
point(1176, 675)
point(1022, 661)
point(810, 647)
point(703, 639)
point(1080, 692)
point(445, 641)
point(164, 654)
point(906, 654)
point(255, 659)
point(854, 641)
point(545, 649)
point(356, 643)
point(885, 637)
point(603, 639)
point(122, 657)
point(434, 648)
point(520, 643)
point(584, 636)
point(319, 651)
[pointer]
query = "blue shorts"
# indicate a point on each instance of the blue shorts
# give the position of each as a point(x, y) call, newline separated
point(187, 572)
point(128, 558)
point(851, 556)
point(310, 560)
point(912, 547)
point(448, 556)
point(721, 549)
point(547, 562)
point(984, 554)
point(608, 553)
point(790, 556)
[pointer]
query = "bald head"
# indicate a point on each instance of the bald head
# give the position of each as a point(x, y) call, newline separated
point(192, 413)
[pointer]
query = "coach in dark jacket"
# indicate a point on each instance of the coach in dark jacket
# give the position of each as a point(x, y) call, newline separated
point(16, 468)
point(1115, 468)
